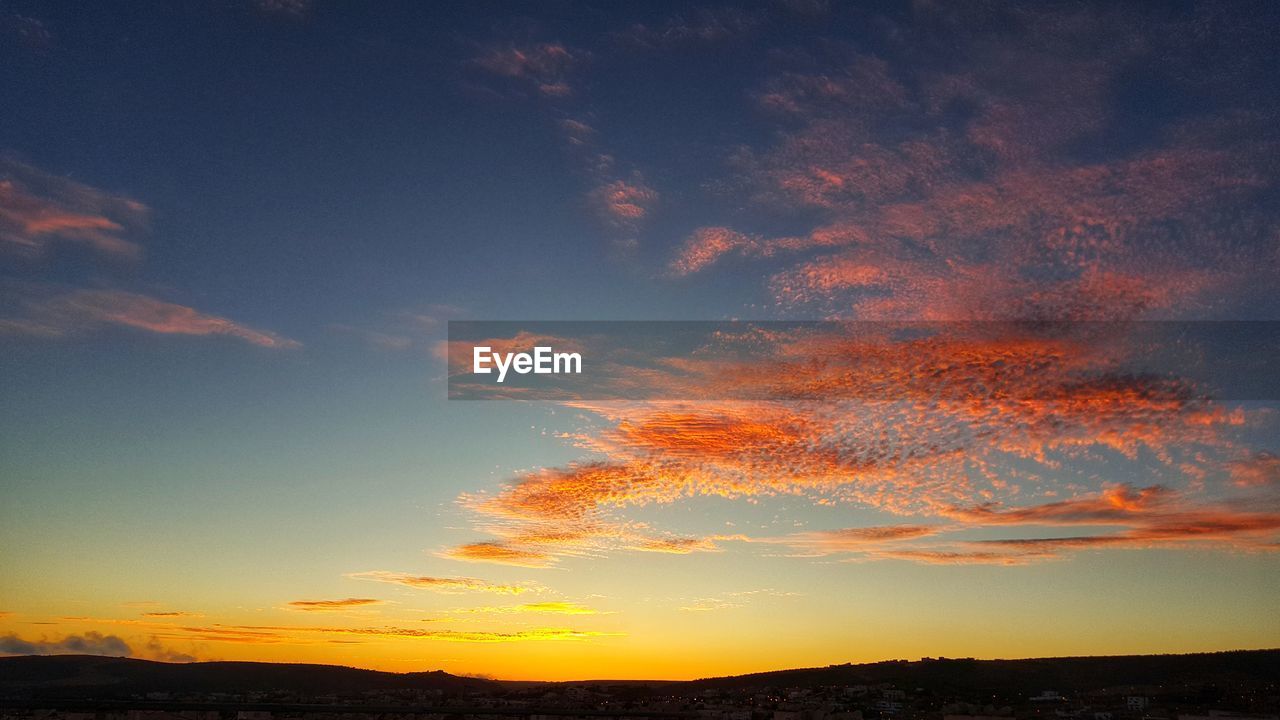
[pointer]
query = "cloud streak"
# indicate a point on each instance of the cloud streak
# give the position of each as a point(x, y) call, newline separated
point(554, 607)
point(81, 311)
point(440, 584)
point(332, 605)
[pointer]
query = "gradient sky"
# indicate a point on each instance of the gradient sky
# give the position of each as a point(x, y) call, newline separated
point(233, 232)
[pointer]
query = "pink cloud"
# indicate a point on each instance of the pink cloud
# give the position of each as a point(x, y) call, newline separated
point(82, 310)
point(542, 67)
point(38, 209)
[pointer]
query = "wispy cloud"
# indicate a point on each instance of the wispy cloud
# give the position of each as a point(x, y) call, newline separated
point(30, 32)
point(845, 540)
point(554, 607)
point(695, 27)
point(290, 634)
point(441, 584)
point(616, 194)
point(332, 605)
point(543, 68)
point(78, 311)
point(729, 601)
point(171, 614)
point(286, 8)
point(623, 205)
point(38, 209)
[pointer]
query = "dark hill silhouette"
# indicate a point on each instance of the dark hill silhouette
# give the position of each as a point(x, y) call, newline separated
point(87, 675)
point(1011, 677)
point(106, 677)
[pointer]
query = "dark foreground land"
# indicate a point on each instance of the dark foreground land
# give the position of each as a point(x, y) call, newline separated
point(1242, 685)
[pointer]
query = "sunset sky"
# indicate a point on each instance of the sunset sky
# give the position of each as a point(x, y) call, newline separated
point(233, 234)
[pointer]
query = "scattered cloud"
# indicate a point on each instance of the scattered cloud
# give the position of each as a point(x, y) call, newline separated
point(623, 205)
point(540, 68)
point(992, 177)
point(1260, 470)
point(621, 201)
point(987, 207)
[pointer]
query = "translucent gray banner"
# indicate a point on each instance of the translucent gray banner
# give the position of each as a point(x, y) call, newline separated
point(1063, 362)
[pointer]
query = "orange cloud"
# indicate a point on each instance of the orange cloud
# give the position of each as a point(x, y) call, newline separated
point(1112, 506)
point(983, 203)
point(706, 245)
point(940, 417)
point(951, 557)
point(275, 634)
point(859, 539)
point(623, 205)
point(1260, 470)
point(331, 605)
point(498, 552)
point(675, 545)
point(170, 614)
point(624, 202)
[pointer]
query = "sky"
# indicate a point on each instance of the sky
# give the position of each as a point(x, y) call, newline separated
point(233, 234)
